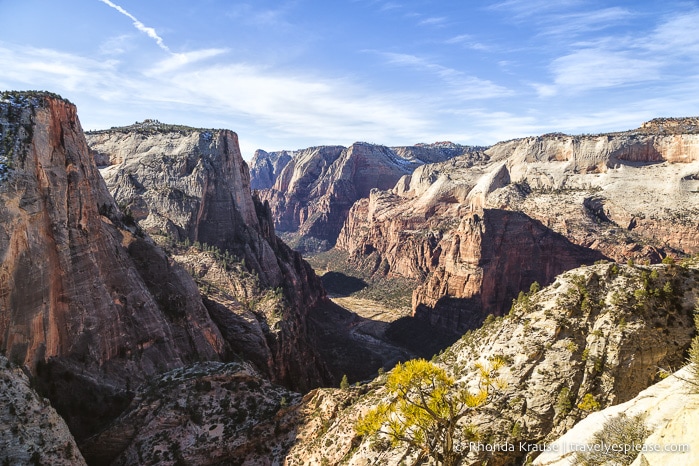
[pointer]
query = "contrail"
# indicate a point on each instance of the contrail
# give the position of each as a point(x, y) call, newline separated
point(139, 25)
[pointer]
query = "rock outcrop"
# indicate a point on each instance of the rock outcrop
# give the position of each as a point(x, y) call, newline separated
point(669, 411)
point(630, 195)
point(87, 303)
point(33, 433)
point(312, 195)
point(210, 413)
point(191, 186)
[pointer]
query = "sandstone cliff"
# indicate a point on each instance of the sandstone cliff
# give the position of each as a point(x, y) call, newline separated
point(630, 195)
point(312, 195)
point(188, 186)
point(87, 303)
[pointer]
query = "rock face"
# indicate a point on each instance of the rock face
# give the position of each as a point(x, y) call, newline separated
point(191, 186)
point(592, 334)
point(312, 195)
point(266, 166)
point(490, 257)
point(669, 412)
point(33, 432)
point(83, 293)
point(629, 195)
point(207, 414)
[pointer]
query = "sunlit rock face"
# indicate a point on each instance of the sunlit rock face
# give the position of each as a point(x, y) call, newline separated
point(311, 196)
point(479, 231)
point(87, 303)
point(192, 185)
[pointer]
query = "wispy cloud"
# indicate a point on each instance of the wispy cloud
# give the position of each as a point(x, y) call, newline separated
point(139, 25)
point(433, 21)
point(469, 42)
point(572, 24)
point(388, 6)
point(283, 105)
point(460, 84)
point(179, 60)
point(677, 35)
point(526, 8)
point(596, 68)
point(614, 61)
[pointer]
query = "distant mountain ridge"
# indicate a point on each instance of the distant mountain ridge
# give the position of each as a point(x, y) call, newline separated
point(310, 191)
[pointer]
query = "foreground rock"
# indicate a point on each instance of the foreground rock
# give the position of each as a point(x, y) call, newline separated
point(588, 341)
point(87, 303)
point(312, 194)
point(669, 410)
point(207, 414)
point(33, 432)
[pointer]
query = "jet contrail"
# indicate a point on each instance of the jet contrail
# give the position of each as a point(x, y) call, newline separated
point(139, 25)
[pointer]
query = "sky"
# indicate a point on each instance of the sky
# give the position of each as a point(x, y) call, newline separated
point(301, 73)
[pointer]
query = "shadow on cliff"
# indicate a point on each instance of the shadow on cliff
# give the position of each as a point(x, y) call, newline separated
point(340, 284)
point(419, 337)
point(353, 345)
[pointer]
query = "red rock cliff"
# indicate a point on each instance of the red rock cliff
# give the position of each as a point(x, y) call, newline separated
point(80, 290)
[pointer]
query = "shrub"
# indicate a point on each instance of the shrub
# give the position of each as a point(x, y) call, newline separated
point(629, 432)
point(589, 403)
point(563, 403)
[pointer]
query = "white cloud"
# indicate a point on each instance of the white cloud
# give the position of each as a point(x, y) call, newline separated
point(289, 106)
point(668, 54)
point(434, 21)
point(676, 36)
point(571, 24)
point(526, 8)
point(139, 25)
point(597, 68)
point(180, 60)
point(460, 85)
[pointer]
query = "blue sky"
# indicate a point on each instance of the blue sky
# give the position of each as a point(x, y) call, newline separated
point(294, 74)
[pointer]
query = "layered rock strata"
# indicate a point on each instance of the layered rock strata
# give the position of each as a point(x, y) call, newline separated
point(312, 194)
point(87, 303)
point(191, 187)
point(630, 195)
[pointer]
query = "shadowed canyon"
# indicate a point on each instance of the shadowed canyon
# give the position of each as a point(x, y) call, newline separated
point(162, 302)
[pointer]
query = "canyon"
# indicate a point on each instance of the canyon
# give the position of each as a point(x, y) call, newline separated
point(310, 191)
point(476, 234)
point(150, 314)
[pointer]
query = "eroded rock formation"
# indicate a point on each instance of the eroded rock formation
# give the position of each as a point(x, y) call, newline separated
point(552, 202)
point(192, 186)
point(87, 303)
point(313, 193)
